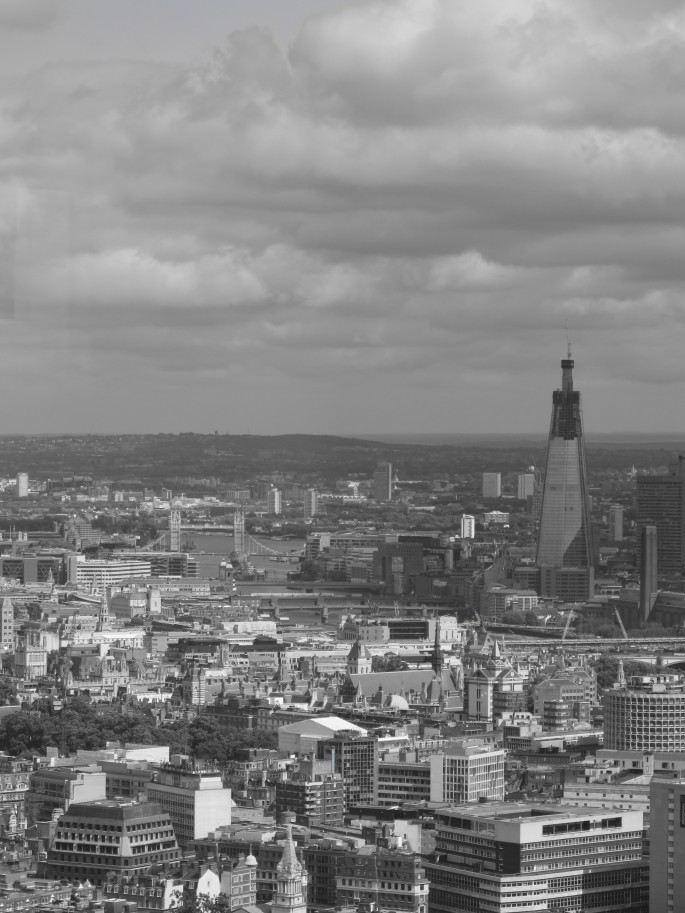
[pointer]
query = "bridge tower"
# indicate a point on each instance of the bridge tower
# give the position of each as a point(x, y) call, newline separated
point(175, 530)
point(239, 543)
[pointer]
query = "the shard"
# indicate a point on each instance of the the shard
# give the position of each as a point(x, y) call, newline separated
point(564, 552)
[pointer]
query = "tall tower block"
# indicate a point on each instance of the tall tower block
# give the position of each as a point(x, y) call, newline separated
point(564, 552)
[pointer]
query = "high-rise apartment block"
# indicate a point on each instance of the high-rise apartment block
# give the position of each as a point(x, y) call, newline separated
point(564, 552)
point(315, 795)
point(274, 501)
point(468, 527)
point(382, 482)
point(310, 503)
point(509, 857)
point(616, 523)
point(492, 484)
point(525, 485)
point(22, 485)
point(660, 504)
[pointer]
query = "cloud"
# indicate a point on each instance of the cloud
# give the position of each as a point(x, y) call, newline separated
point(414, 195)
point(31, 15)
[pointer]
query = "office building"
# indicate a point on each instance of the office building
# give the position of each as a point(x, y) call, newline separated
point(646, 714)
point(525, 485)
point(467, 773)
point(403, 778)
point(175, 530)
point(22, 485)
point(510, 857)
point(100, 574)
point(616, 523)
point(649, 558)
point(492, 484)
point(564, 552)
point(274, 501)
point(194, 798)
point(382, 482)
point(468, 527)
point(110, 838)
point(660, 504)
point(53, 788)
point(667, 845)
point(377, 878)
point(310, 503)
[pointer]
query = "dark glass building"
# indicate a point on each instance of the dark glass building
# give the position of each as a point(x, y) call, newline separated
point(564, 553)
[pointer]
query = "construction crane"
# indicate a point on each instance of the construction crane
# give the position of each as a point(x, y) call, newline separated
point(620, 623)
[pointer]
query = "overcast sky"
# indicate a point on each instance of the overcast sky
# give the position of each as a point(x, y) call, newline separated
point(340, 217)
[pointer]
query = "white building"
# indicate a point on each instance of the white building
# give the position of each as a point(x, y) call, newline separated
point(22, 485)
point(467, 773)
point(100, 574)
point(274, 501)
point(194, 799)
point(468, 527)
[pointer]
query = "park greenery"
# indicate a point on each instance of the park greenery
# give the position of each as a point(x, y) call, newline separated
point(87, 726)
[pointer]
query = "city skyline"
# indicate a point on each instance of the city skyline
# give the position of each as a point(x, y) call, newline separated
point(336, 217)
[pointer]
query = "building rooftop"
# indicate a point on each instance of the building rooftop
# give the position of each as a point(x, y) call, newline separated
point(118, 809)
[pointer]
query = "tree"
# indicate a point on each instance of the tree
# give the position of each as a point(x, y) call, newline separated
point(391, 662)
point(606, 668)
point(309, 569)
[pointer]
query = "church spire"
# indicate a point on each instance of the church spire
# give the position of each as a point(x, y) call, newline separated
point(290, 895)
point(437, 651)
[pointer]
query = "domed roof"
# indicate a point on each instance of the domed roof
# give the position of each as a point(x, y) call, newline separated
point(251, 860)
point(395, 702)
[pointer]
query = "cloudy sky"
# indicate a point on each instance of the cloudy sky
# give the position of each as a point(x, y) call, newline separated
point(342, 217)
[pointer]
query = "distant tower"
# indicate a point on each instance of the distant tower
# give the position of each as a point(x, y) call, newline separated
point(22, 485)
point(274, 501)
point(310, 503)
point(239, 531)
point(7, 624)
point(175, 530)
point(290, 895)
point(492, 484)
point(648, 571)
point(525, 485)
point(564, 553)
point(616, 523)
point(436, 659)
point(382, 482)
